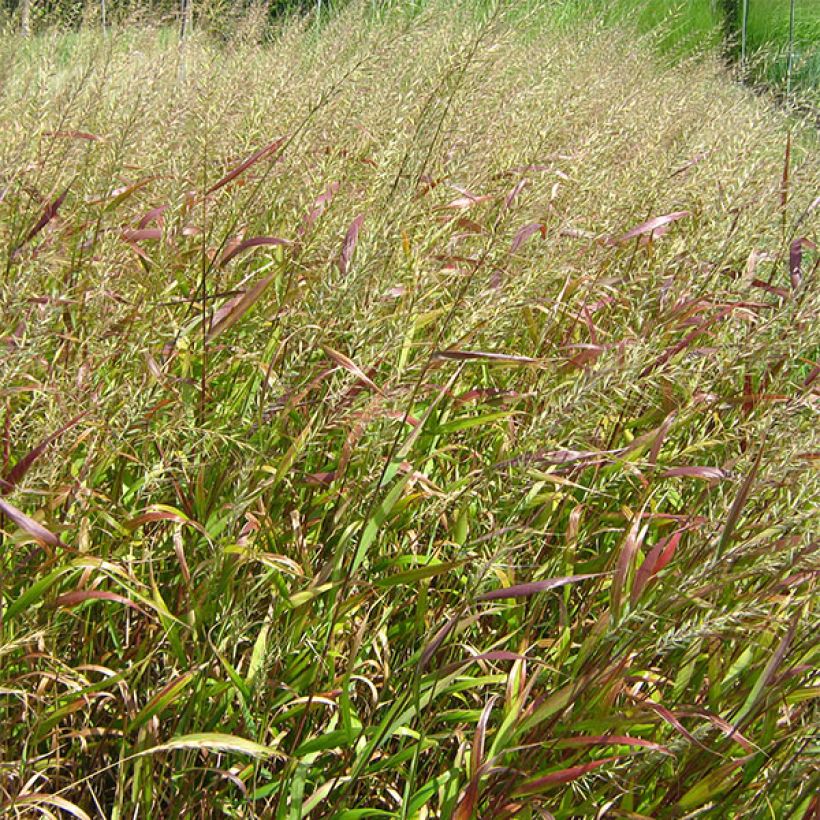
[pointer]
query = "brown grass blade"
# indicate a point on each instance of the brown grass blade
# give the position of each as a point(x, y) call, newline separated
point(514, 193)
point(154, 215)
point(626, 557)
point(669, 717)
point(467, 805)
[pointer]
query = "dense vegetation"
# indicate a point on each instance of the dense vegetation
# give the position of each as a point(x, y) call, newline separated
point(413, 416)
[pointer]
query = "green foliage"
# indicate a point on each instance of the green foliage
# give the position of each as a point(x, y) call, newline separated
point(412, 417)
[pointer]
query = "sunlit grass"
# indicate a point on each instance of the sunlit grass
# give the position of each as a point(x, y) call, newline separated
point(411, 418)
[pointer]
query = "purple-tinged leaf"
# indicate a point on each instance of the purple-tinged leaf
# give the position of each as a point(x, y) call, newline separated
point(72, 599)
point(668, 716)
point(611, 740)
point(234, 309)
point(481, 356)
point(351, 366)
point(526, 232)
point(76, 135)
point(154, 215)
point(29, 525)
point(534, 587)
point(626, 558)
point(243, 166)
point(349, 244)
point(16, 474)
point(48, 214)
point(319, 207)
point(705, 473)
point(652, 225)
point(141, 234)
point(796, 259)
point(562, 776)
point(516, 190)
point(657, 558)
point(254, 242)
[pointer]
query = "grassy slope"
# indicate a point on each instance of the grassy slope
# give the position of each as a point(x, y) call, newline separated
point(277, 513)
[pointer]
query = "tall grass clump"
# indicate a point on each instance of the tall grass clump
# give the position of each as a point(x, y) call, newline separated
point(410, 417)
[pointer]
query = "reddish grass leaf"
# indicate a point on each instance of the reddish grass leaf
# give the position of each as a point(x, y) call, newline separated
point(321, 479)
point(516, 190)
point(652, 225)
point(692, 162)
point(612, 740)
point(685, 342)
point(254, 242)
point(534, 587)
point(16, 474)
point(780, 292)
point(495, 655)
point(526, 232)
point(467, 805)
point(349, 245)
point(626, 557)
point(742, 496)
point(724, 726)
point(351, 366)
point(796, 259)
point(562, 776)
point(75, 135)
point(705, 473)
point(658, 557)
point(29, 525)
point(234, 309)
point(72, 599)
point(141, 234)
point(48, 214)
point(481, 356)
point(154, 215)
point(668, 717)
point(467, 201)
point(319, 207)
point(152, 515)
point(266, 151)
point(657, 444)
